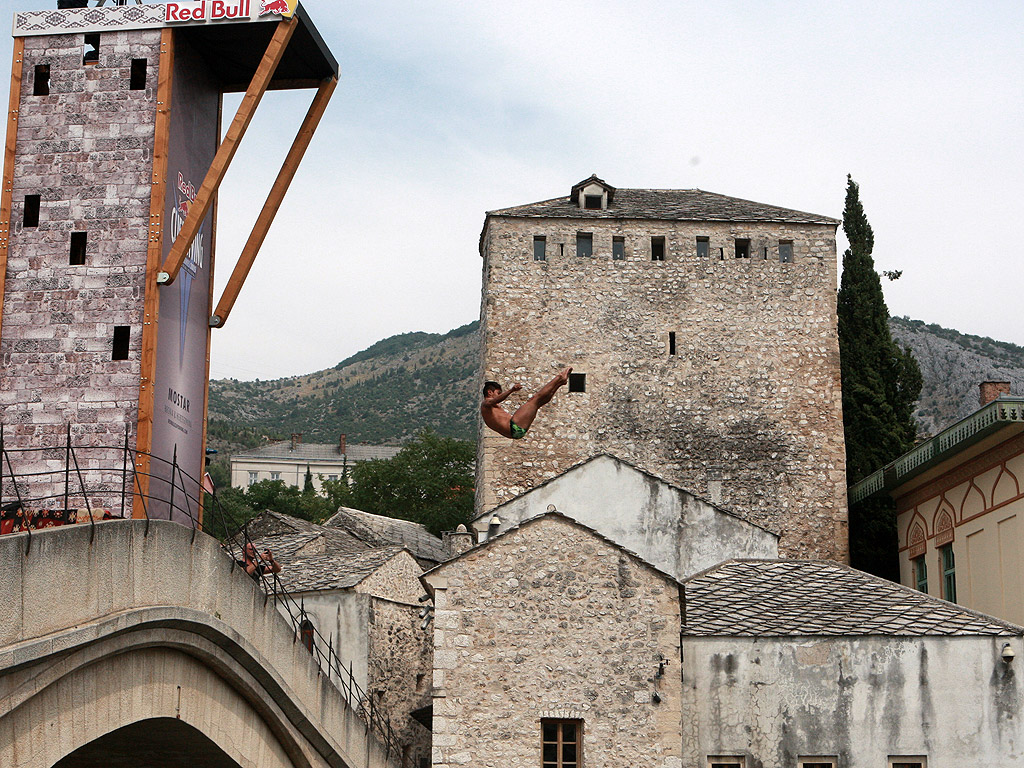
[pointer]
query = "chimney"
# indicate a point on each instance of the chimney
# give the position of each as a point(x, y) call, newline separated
point(457, 541)
point(990, 390)
point(341, 443)
point(296, 439)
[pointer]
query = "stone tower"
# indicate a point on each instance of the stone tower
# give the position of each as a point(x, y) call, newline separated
point(702, 334)
point(114, 154)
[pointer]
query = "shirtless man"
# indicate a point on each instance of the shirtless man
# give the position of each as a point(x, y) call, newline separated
point(516, 425)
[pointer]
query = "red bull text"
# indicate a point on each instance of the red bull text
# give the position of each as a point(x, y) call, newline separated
point(208, 10)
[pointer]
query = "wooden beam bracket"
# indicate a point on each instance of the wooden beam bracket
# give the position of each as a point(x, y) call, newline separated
point(273, 202)
point(226, 151)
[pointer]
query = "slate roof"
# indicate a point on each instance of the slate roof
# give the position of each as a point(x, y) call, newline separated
point(781, 598)
point(668, 204)
point(285, 535)
point(318, 452)
point(380, 531)
point(333, 571)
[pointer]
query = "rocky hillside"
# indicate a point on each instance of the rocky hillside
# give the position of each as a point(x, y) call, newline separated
point(388, 392)
point(952, 365)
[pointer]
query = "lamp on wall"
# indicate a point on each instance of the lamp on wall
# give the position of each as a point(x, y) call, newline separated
point(1007, 653)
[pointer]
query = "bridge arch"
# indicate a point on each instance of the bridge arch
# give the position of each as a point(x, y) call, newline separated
point(164, 741)
point(117, 627)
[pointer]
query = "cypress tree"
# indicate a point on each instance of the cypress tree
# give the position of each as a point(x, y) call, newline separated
point(881, 383)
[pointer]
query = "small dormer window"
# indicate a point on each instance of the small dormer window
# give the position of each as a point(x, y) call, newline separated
point(592, 194)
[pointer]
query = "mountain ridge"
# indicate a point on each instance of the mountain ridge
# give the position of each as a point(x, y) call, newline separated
point(400, 385)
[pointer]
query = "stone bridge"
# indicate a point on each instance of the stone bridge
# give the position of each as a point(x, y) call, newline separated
point(127, 644)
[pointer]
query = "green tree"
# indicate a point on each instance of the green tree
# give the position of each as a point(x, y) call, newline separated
point(430, 481)
point(881, 383)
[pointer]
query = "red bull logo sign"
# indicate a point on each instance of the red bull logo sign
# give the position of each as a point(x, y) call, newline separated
point(227, 10)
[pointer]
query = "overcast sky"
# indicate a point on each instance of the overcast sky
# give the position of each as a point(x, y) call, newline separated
point(448, 109)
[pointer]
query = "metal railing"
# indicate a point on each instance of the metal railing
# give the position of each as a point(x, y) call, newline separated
point(168, 492)
point(1001, 410)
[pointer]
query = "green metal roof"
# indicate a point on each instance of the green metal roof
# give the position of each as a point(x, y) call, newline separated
point(985, 421)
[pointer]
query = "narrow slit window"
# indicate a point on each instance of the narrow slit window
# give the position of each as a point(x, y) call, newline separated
point(91, 49)
point(577, 382)
point(766, 253)
point(657, 249)
point(742, 248)
point(721, 254)
point(703, 247)
point(618, 249)
point(31, 215)
point(786, 251)
point(121, 336)
point(77, 255)
point(137, 79)
point(540, 248)
point(561, 249)
point(41, 80)
point(672, 342)
point(584, 244)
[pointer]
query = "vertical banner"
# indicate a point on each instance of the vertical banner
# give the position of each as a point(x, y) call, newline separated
point(182, 334)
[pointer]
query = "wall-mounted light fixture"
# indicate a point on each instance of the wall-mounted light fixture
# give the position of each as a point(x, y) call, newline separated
point(1007, 653)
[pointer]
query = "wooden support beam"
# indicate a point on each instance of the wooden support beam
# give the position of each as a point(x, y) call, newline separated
point(273, 203)
point(7, 190)
point(226, 151)
point(154, 252)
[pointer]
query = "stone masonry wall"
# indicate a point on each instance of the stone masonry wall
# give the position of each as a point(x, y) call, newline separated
point(86, 149)
point(549, 621)
point(399, 667)
point(747, 413)
point(398, 579)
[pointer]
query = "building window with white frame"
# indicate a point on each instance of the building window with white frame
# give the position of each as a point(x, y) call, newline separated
point(253, 477)
point(817, 762)
point(917, 761)
point(727, 761)
point(275, 475)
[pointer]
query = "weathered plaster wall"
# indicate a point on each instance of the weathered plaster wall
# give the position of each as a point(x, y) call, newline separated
point(550, 621)
point(669, 528)
point(343, 617)
point(862, 699)
point(747, 413)
point(86, 149)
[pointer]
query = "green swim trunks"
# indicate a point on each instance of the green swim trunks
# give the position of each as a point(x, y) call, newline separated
point(517, 431)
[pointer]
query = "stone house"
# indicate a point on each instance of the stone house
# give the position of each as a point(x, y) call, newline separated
point(960, 507)
point(556, 646)
point(362, 599)
point(702, 333)
point(552, 640)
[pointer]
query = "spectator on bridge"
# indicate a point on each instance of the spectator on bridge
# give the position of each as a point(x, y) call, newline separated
point(256, 563)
